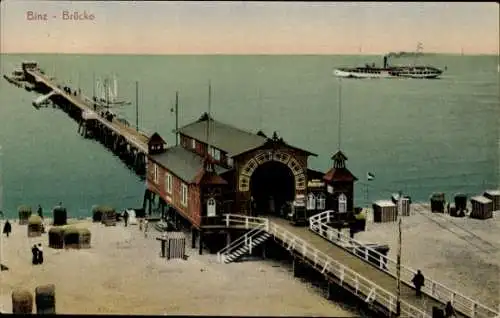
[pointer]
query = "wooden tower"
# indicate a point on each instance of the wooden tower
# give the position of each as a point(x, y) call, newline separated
point(340, 185)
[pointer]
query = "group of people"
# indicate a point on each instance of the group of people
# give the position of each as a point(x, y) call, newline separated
point(37, 252)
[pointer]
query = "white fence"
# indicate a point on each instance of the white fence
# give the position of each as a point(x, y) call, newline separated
point(443, 294)
point(361, 286)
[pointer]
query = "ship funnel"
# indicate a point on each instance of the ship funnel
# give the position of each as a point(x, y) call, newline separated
point(385, 61)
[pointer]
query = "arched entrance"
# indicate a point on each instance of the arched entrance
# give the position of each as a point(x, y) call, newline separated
point(272, 184)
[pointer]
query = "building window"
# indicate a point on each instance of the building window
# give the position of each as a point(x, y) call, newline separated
point(156, 173)
point(311, 201)
point(321, 203)
point(211, 207)
point(184, 195)
point(342, 203)
point(193, 143)
point(230, 162)
point(168, 183)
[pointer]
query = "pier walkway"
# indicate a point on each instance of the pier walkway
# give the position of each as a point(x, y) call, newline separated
point(363, 279)
point(135, 138)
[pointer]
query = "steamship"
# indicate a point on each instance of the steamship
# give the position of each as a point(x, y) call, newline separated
point(389, 71)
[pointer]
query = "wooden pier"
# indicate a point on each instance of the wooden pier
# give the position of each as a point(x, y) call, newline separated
point(341, 268)
point(129, 144)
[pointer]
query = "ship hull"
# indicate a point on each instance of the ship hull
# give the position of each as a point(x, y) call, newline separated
point(383, 74)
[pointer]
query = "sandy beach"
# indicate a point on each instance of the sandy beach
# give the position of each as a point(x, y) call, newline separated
point(461, 253)
point(123, 274)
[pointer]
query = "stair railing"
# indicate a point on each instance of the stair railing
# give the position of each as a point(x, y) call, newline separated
point(247, 221)
point(434, 289)
point(244, 240)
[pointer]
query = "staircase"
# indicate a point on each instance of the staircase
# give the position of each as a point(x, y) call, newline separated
point(243, 245)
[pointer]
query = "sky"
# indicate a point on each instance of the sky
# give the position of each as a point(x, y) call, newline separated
point(170, 27)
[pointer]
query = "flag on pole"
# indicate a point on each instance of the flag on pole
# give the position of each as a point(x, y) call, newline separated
point(370, 176)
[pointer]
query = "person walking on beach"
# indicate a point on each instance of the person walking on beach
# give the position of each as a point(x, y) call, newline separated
point(34, 251)
point(40, 253)
point(418, 281)
point(40, 211)
point(7, 228)
point(146, 223)
point(125, 217)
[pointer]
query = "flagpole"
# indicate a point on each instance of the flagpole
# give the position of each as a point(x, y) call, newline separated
point(398, 268)
point(340, 110)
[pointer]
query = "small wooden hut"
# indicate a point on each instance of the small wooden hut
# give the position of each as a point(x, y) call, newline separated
point(60, 216)
point(482, 208)
point(461, 202)
point(84, 238)
point(24, 212)
point(45, 298)
point(438, 202)
point(173, 245)
point(76, 238)
point(35, 226)
point(493, 195)
point(56, 237)
point(97, 213)
point(384, 211)
point(108, 216)
point(71, 237)
point(22, 302)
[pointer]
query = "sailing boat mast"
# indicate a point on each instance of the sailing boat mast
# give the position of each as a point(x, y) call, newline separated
point(136, 105)
point(106, 92)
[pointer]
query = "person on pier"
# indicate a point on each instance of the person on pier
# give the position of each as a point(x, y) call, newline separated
point(449, 311)
point(7, 228)
point(418, 281)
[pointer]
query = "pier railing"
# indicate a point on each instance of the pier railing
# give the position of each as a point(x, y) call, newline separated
point(361, 286)
point(319, 224)
point(86, 106)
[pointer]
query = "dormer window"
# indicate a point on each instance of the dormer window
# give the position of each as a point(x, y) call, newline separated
point(193, 143)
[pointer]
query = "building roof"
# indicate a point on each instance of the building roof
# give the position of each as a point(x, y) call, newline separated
point(208, 176)
point(481, 199)
point(156, 139)
point(339, 174)
point(492, 192)
point(183, 163)
point(384, 203)
point(223, 136)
